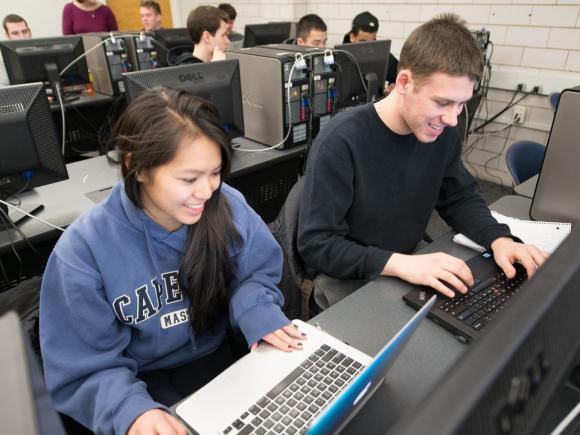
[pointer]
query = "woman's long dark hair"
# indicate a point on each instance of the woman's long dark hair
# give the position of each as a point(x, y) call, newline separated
point(147, 136)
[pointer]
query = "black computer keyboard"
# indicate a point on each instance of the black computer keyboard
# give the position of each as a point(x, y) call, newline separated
point(485, 299)
point(293, 403)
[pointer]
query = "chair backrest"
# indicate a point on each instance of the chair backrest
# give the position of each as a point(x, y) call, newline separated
point(175, 52)
point(524, 160)
point(285, 230)
point(554, 99)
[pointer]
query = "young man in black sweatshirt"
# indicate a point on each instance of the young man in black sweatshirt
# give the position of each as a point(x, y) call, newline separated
point(375, 173)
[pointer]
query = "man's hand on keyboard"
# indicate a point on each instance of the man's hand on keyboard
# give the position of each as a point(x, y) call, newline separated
point(506, 251)
point(286, 338)
point(438, 271)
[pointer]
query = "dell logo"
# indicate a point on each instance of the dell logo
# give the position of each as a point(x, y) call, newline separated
point(190, 76)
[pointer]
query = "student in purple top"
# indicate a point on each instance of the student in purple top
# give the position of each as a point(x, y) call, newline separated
point(85, 16)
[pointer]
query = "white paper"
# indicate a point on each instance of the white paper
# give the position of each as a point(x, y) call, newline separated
point(545, 235)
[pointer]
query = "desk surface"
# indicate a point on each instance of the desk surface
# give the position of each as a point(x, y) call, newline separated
point(66, 200)
point(527, 188)
point(376, 312)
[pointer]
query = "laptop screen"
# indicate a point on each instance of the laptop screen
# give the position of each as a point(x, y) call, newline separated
point(346, 405)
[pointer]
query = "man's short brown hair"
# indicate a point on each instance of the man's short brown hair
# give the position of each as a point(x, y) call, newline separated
point(308, 23)
point(442, 45)
point(228, 9)
point(151, 5)
point(204, 18)
point(12, 18)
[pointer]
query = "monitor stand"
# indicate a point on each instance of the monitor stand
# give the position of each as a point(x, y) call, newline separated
point(16, 216)
point(372, 86)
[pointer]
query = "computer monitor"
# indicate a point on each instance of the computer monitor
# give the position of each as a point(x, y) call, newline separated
point(556, 193)
point(372, 58)
point(219, 82)
point(171, 42)
point(42, 59)
point(30, 154)
point(268, 33)
point(521, 376)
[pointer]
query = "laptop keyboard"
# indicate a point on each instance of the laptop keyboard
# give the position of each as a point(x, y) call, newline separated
point(485, 299)
point(290, 406)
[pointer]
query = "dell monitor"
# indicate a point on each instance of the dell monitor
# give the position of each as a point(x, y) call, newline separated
point(30, 154)
point(42, 60)
point(522, 375)
point(269, 33)
point(170, 43)
point(218, 82)
point(372, 58)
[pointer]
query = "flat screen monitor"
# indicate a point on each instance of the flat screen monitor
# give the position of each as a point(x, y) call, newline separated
point(372, 58)
point(218, 82)
point(556, 193)
point(521, 376)
point(268, 33)
point(42, 59)
point(170, 43)
point(30, 154)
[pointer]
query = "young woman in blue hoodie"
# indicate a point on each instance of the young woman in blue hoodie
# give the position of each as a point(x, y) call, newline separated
point(139, 291)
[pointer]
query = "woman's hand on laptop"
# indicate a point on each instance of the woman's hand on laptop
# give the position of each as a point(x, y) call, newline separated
point(286, 338)
point(156, 422)
point(506, 251)
point(439, 271)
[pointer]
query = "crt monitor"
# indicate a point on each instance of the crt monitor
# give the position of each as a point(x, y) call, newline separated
point(219, 82)
point(372, 58)
point(269, 33)
point(30, 154)
point(170, 43)
point(42, 59)
point(522, 376)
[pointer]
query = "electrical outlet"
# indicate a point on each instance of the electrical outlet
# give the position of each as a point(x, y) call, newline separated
point(520, 114)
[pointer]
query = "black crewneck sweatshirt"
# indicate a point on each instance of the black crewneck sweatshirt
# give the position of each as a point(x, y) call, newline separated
point(370, 192)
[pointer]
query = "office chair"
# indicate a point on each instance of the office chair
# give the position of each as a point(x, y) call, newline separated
point(524, 160)
point(175, 52)
point(289, 41)
point(554, 98)
point(295, 288)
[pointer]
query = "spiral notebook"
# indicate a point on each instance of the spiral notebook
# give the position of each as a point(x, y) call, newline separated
point(545, 235)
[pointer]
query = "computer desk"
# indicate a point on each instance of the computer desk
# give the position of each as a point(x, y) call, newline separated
point(370, 316)
point(527, 188)
point(66, 200)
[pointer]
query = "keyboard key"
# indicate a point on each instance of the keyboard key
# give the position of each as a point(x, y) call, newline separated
point(283, 409)
point(329, 355)
point(346, 362)
point(257, 421)
point(227, 430)
point(294, 414)
point(480, 324)
point(238, 424)
point(280, 400)
point(244, 415)
point(263, 402)
point(255, 410)
point(325, 347)
point(278, 428)
point(276, 416)
point(286, 421)
point(306, 415)
point(265, 413)
point(246, 430)
point(299, 422)
point(285, 382)
point(268, 424)
point(291, 430)
point(313, 409)
point(260, 431)
point(338, 358)
point(272, 407)
point(291, 403)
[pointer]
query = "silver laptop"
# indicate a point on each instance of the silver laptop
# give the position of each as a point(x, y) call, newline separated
point(315, 391)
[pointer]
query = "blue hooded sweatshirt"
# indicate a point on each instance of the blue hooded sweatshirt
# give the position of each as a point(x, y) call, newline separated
point(111, 307)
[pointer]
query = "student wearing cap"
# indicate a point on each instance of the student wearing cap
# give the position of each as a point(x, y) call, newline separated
point(364, 28)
